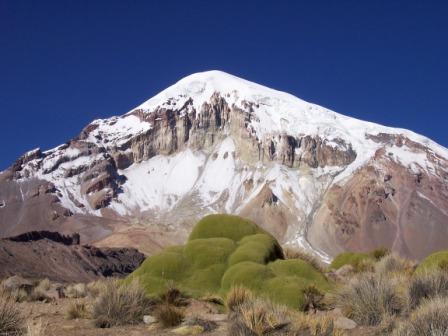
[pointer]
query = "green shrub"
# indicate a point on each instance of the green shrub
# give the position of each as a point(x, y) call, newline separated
point(351, 258)
point(430, 319)
point(224, 226)
point(244, 255)
point(299, 253)
point(434, 261)
point(368, 298)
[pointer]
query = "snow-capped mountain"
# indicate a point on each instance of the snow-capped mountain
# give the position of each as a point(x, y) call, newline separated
point(213, 142)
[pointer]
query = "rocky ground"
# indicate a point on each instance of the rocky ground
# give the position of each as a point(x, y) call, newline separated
point(53, 315)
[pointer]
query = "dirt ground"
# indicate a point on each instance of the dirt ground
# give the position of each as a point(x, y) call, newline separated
point(52, 314)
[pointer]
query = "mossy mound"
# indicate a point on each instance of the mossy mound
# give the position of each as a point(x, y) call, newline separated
point(438, 260)
point(351, 258)
point(223, 251)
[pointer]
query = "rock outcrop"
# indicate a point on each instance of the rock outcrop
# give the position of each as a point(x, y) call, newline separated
point(61, 258)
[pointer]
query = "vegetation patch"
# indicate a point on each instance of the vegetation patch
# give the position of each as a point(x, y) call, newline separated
point(353, 259)
point(225, 251)
point(438, 260)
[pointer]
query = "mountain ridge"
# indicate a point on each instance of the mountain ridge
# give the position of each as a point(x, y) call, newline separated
point(213, 142)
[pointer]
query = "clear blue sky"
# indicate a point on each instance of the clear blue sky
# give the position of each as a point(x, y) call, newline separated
point(65, 63)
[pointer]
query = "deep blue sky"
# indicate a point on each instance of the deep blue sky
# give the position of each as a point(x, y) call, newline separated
point(65, 63)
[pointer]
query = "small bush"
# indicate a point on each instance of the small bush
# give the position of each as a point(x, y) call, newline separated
point(168, 315)
point(357, 260)
point(392, 263)
point(173, 296)
point(95, 288)
point(426, 286)
point(120, 304)
point(258, 317)
point(313, 325)
point(77, 291)
point(237, 296)
point(298, 253)
point(76, 310)
point(11, 319)
point(367, 298)
point(313, 298)
point(430, 319)
point(380, 253)
point(40, 291)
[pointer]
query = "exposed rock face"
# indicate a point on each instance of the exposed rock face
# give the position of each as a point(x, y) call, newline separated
point(216, 143)
point(59, 258)
point(385, 204)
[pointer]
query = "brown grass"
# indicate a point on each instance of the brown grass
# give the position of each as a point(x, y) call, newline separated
point(168, 315)
point(37, 328)
point(427, 286)
point(77, 291)
point(11, 319)
point(380, 253)
point(313, 325)
point(393, 263)
point(76, 310)
point(258, 317)
point(313, 298)
point(120, 304)
point(237, 296)
point(173, 296)
point(430, 319)
point(367, 298)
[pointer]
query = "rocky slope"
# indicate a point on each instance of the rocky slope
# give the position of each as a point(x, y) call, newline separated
point(44, 254)
point(216, 143)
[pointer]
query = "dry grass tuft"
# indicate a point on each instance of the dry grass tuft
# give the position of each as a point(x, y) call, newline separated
point(38, 328)
point(258, 317)
point(313, 325)
point(298, 253)
point(237, 296)
point(313, 298)
point(77, 291)
point(168, 315)
point(368, 298)
point(120, 304)
point(76, 310)
point(40, 291)
point(95, 288)
point(430, 319)
point(393, 263)
point(427, 286)
point(173, 296)
point(11, 319)
point(380, 253)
